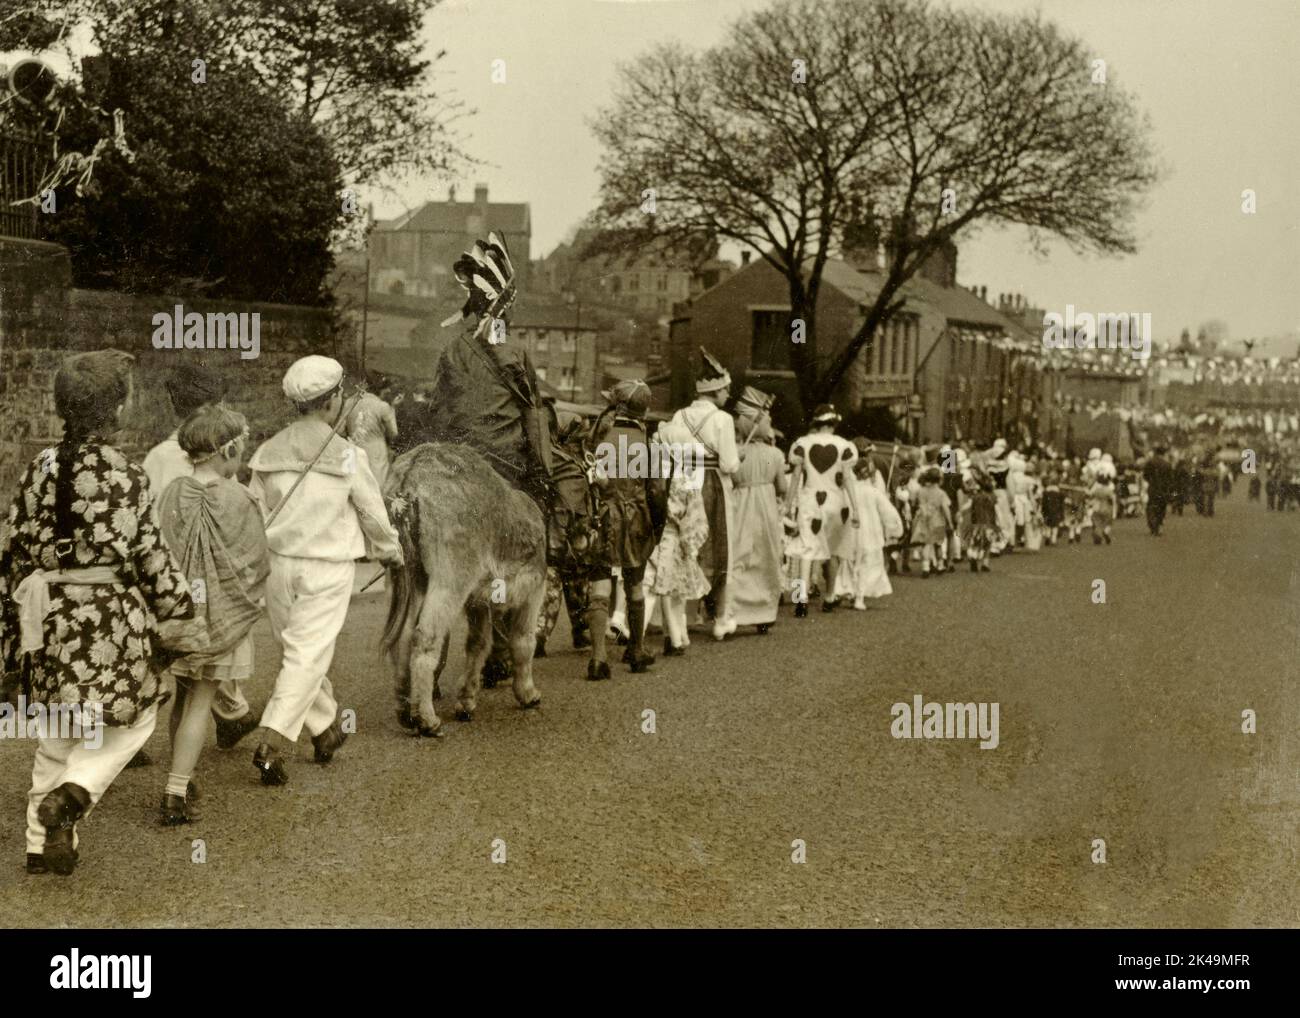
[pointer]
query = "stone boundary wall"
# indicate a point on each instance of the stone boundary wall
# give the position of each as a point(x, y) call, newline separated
point(43, 318)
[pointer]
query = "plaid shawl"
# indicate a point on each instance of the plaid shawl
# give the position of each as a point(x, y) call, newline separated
point(215, 531)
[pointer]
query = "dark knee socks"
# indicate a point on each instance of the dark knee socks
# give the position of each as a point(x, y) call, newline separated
point(597, 621)
point(636, 622)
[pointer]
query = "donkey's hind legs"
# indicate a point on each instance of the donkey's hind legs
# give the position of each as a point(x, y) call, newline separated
point(478, 645)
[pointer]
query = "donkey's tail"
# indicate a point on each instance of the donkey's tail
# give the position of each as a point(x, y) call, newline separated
point(404, 511)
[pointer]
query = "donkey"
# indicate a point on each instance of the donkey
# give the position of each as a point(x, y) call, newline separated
point(471, 543)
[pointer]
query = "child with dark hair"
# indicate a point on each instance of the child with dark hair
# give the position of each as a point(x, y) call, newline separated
point(982, 529)
point(84, 581)
point(214, 528)
point(189, 387)
point(1053, 503)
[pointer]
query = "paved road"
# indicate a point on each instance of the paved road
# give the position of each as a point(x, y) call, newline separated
point(1119, 721)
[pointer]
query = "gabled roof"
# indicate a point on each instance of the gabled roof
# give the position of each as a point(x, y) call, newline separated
point(450, 217)
point(958, 304)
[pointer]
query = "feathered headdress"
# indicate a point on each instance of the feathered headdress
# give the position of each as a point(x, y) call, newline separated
point(488, 277)
point(713, 377)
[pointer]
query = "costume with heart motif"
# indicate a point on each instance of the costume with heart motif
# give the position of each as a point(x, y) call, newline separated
point(822, 505)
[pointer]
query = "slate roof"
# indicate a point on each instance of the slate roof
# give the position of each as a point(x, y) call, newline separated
point(450, 217)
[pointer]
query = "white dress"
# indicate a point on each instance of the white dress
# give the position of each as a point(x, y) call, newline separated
point(821, 504)
point(864, 575)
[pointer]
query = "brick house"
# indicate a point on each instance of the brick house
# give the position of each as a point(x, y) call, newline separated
point(946, 366)
point(413, 254)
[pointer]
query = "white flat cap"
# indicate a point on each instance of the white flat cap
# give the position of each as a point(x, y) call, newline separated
point(309, 377)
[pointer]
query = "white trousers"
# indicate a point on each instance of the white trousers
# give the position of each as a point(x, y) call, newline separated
point(307, 601)
point(59, 761)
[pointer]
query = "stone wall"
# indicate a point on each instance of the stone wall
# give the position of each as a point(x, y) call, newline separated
point(42, 319)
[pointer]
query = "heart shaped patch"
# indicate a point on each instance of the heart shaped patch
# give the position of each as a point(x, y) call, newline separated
point(823, 457)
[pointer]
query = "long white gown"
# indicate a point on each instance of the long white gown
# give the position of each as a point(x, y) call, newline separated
point(865, 574)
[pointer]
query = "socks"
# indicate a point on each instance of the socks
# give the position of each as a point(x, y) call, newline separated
point(597, 621)
point(636, 623)
point(177, 784)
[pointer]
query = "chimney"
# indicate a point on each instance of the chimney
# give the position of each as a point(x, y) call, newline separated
point(451, 194)
point(744, 257)
point(984, 294)
point(941, 265)
point(860, 245)
point(480, 194)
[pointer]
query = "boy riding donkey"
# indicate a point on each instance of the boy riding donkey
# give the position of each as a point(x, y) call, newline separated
point(486, 395)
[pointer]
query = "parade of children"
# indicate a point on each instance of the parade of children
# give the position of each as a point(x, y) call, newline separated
point(713, 508)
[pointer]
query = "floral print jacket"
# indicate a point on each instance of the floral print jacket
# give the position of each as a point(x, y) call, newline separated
point(98, 638)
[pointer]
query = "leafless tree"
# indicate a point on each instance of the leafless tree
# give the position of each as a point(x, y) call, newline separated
point(898, 119)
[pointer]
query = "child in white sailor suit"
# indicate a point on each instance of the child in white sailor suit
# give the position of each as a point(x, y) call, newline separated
point(315, 533)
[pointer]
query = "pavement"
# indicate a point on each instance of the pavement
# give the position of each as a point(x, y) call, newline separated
point(1119, 722)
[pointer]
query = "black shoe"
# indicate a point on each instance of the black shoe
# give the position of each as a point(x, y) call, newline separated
point(328, 742)
point(581, 641)
point(641, 662)
point(271, 765)
point(974, 566)
point(671, 651)
point(58, 813)
point(828, 605)
point(763, 628)
point(176, 811)
point(229, 733)
point(801, 609)
point(597, 670)
point(141, 759)
point(1106, 538)
point(627, 655)
point(36, 863)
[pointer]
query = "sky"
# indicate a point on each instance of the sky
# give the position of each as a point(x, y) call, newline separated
point(1219, 78)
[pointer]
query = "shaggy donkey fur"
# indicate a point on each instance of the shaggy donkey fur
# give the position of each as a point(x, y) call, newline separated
point(462, 528)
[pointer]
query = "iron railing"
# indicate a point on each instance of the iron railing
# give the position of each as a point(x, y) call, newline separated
point(21, 164)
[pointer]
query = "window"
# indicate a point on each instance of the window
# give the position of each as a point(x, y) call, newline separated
point(633, 283)
point(663, 281)
point(541, 374)
point(567, 341)
point(893, 347)
point(543, 340)
point(770, 347)
point(566, 378)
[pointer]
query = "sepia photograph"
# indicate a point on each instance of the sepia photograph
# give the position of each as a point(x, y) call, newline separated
point(637, 465)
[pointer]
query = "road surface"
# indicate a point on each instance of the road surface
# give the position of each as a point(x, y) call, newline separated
point(1118, 722)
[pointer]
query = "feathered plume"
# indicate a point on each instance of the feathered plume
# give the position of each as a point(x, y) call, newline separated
point(488, 277)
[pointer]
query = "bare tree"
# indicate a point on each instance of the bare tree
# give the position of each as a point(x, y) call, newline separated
point(891, 118)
